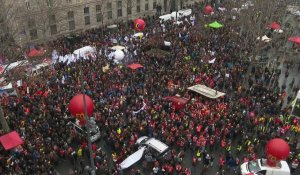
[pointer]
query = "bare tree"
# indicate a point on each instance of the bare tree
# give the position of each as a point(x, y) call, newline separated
point(8, 48)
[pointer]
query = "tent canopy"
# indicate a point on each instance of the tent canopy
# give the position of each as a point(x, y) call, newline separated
point(215, 25)
point(11, 140)
point(176, 99)
point(295, 39)
point(208, 9)
point(118, 47)
point(139, 34)
point(274, 25)
point(206, 91)
point(135, 66)
point(36, 53)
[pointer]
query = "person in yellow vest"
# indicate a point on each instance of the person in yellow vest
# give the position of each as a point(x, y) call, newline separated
point(198, 155)
point(239, 148)
point(114, 157)
point(247, 143)
point(79, 153)
point(228, 148)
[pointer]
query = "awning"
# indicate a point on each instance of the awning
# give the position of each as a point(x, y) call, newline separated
point(274, 25)
point(36, 53)
point(177, 102)
point(112, 26)
point(176, 99)
point(206, 91)
point(118, 47)
point(140, 34)
point(133, 158)
point(11, 140)
point(208, 10)
point(215, 25)
point(264, 38)
point(135, 66)
point(295, 39)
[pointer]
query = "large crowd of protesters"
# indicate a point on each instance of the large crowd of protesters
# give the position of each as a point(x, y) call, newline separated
point(222, 132)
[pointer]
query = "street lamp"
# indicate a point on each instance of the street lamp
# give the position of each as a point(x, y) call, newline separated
point(81, 106)
point(87, 125)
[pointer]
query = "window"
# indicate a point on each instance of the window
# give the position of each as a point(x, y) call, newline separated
point(86, 12)
point(53, 29)
point(119, 10)
point(262, 172)
point(109, 10)
point(87, 20)
point(52, 19)
point(71, 20)
point(31, 24)
point(52, 22)
point(32, 29)
point(98, 13)
point(70, 15)
point(50, 3)
point(146, 5)
point(154, 4)
point(27, 3)
point(33, 34)
point(129, 7)
point(72, 25)
point(138, 6)
point(69, 1)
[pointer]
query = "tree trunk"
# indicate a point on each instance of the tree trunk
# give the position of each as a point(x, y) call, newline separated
point(3, 121)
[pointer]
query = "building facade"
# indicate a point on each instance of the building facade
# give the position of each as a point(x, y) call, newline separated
point(40, 20)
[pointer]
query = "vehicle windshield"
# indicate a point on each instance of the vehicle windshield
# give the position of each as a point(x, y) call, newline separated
point(144, 141)
point(253, 166)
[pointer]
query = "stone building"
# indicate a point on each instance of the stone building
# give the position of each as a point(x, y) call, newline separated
point(39, 20)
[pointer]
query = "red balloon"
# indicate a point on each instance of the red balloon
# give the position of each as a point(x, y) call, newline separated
point(277, 149)
point(76, 106)
point(139, 24)
point(208, 9)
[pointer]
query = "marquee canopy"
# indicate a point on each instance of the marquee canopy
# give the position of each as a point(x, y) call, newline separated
point(206, 91)
point(11, 140)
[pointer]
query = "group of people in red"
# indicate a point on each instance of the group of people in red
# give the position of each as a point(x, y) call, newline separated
point(207, 136)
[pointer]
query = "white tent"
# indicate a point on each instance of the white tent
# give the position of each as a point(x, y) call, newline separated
point(133, 158)
point(84, 52)
point(117, 47)
point(206, 91)
point(112, 26)
point(15, 64)
point(139, 34)
point(7, 87)
point(264, 38)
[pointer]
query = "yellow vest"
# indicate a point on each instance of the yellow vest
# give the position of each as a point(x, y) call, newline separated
point(79, 152)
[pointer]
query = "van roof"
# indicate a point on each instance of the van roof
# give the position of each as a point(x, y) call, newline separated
point(284, 167)
point(156, 144)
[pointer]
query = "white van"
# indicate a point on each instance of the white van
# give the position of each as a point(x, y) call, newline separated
point(95, 131)
point(260, 167)
point(148, 147)
point(155, 148)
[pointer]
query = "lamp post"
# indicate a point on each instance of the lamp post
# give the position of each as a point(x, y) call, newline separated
point(87, 125)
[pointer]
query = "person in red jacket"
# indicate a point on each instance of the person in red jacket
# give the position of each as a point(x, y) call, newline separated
point(221, 162)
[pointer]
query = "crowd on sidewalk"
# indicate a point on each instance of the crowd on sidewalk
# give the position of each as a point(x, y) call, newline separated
point(227, 131)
